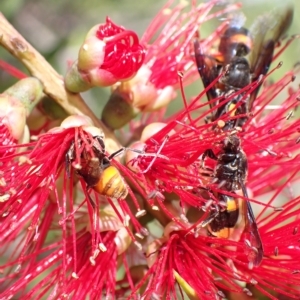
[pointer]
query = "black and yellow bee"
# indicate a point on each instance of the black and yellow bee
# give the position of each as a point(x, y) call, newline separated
point(97, 170)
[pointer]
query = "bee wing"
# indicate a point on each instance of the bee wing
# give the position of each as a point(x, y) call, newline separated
point(265, 32)
point(208, 70)
point(252, 229)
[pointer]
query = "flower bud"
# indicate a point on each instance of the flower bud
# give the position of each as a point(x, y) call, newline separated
point(13, 116)
point(131, 156)
point(152, 129)
point(144, 94)
point(28, 91)
point(134, 96)
point(45, 116)
point(76, 121)
point(118, 111)
point(37, 121)
point(16, 104)
point(52, 109)
point(110, 53)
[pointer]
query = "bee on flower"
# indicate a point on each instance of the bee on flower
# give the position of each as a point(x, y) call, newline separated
point(198, 205)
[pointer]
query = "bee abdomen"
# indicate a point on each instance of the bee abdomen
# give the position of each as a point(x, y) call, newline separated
point(111, 184)
point(226, 219)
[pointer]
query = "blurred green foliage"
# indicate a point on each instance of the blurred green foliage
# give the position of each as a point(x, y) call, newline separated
point(56, 29)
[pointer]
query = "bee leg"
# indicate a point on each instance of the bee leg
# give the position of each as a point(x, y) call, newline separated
point(221, 184)
point(101, 142)
point(210, 154)
point(124, 149)
point(92, 202)
point(69, 157)
point(208, 119)
point(209, 172)
point(117, 153)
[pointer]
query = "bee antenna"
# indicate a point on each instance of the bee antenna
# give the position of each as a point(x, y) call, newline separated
point(68, 157)
point(117, 153)
point(68, 166)
point(124, 149)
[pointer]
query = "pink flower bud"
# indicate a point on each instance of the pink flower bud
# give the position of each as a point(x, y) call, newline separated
point(144, 95)
point(152, 129)
point(110, 53)
point(13, 116)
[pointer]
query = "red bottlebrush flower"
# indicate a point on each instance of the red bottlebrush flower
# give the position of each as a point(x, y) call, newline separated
point(82, 264)
point(123, 54)
point(172, 47)
point(215, 267)
point(110, 53)
point(22, 244)
point(32, 176)
point(202, 262)
point(29, 177)
point(194, 177)
point(272, 138)
point(28, 171)
point(39, 175)
point(270, 142)
point(278, 274)
point(168, 43)
point(63, 148)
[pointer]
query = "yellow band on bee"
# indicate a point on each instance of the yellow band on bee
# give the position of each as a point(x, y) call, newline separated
point(241, 39)
point(111, 184)
point(223, 233)
point(232, 109)
point(232, 205)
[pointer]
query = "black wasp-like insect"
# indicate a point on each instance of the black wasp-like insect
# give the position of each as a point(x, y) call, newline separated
point(230, 174)
point(243, 57)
